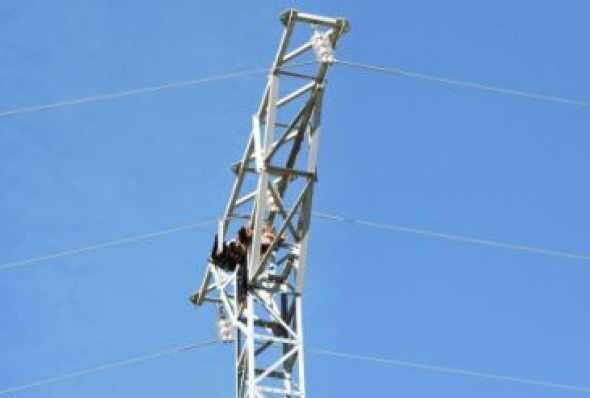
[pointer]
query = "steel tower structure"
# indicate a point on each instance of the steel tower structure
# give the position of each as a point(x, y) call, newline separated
point(274, 186)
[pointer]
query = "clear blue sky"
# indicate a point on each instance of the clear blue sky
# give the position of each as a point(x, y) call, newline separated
point(393, 150)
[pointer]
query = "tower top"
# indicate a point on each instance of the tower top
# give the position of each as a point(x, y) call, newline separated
point(338, 22)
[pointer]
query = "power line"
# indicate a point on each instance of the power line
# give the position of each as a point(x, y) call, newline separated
point(456, 238)
point(112, 365)
point(104, 245)
point(127, 93)
point(249, 72)
point(336, 354)
point(326, 216)
point(446, 370)
point(142, 90)
point(464, 83)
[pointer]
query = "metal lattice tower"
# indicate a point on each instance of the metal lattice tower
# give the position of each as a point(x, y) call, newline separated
point(274, 185)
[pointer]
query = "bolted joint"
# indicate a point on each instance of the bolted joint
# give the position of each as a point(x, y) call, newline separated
point(343, 25)
point(287, 15)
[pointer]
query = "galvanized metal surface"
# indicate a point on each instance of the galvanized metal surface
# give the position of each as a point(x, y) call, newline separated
point(274, 185)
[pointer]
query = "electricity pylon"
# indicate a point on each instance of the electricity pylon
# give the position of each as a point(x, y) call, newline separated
point(274, 186)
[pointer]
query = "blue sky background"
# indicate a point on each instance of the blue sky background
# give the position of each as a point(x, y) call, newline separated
point(394, 150)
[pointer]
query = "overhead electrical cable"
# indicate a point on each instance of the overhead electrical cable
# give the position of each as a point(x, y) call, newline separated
point(464, 83)
point(336, 354)
point(451, 237)
point(112, 365)
point(140, 90)
point(325, 216)
point(104, 245)
point(127, 93)
point(249, 72)
point(447, 370)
